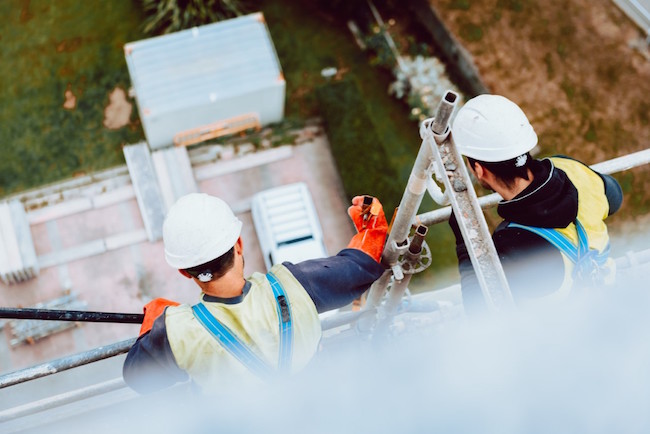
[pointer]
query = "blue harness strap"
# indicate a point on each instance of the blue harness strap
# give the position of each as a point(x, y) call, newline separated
point(285, 353)
point(586, 260)
point(230, 342)
point(238, 349)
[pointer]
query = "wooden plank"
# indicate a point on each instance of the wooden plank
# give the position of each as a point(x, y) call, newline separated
point(234, 125)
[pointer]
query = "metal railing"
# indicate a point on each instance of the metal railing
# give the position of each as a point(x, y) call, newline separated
point(61, 399)
point(65, 363)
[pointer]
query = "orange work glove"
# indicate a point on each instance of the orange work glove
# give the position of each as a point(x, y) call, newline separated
point(153, 310)
point(372, 229)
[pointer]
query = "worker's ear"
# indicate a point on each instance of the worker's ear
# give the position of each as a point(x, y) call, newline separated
point(239, 246)
point(185, 273)
point(479, 171)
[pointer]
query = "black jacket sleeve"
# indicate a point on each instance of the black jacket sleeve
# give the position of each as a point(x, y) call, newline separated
point(150, 364)
point(533, 267)
point(338, 280)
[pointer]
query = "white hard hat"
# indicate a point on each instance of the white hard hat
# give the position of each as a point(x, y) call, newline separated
point(492, 128)
point(197, 229)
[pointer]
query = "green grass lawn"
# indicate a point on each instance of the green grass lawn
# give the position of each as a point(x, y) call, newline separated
point(51, 47)
point(48, 48)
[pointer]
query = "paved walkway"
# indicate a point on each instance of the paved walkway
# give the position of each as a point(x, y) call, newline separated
point(96, 246)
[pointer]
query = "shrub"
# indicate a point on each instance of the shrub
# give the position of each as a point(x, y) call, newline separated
point(166, 16)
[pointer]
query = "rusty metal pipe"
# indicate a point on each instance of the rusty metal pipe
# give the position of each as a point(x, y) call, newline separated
point(71, 315)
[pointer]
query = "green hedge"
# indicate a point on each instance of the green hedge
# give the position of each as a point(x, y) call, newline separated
point(362, 161)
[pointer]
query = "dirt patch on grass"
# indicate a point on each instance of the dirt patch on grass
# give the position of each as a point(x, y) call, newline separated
point(25, 12)
point(569, 64)
point(70, 99)
point(118, 112)
point(69, 45)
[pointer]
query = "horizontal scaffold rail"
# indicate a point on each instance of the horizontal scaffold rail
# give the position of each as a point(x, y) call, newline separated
point(65, 363)
point(61, 400)
point(608, 167)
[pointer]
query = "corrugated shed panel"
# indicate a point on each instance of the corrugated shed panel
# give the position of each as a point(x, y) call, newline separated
point(209, 70)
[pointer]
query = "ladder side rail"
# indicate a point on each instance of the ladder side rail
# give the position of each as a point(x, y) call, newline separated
point(472, 224)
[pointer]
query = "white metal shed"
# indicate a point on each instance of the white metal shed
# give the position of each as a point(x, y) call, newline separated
point(198, 77)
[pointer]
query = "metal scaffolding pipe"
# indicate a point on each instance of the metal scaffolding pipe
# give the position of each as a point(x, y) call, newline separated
point(608, 167)
point(415, 247)
point(410, 203)
point(625, 162)
point(632, 259)
point(343, 318)
point(375, 294)
point(71, 315)
point(61, 399)
point(65, 363)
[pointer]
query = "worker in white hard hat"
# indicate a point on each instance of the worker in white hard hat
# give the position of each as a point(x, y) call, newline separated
point(553, 238)
point(241, 329)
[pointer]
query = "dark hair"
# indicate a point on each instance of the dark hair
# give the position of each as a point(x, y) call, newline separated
point(507, 171)
point(217, 267)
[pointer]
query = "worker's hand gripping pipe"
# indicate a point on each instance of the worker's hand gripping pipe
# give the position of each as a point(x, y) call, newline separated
point(397, 243)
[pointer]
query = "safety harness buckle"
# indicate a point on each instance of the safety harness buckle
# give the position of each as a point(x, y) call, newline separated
point(285, 313)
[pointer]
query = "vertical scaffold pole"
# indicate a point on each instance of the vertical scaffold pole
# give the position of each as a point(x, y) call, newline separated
point(398, 241)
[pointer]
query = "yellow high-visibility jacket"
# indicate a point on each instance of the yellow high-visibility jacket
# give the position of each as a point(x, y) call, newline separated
point(254, 321)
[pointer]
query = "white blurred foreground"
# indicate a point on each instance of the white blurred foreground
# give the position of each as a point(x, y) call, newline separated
point(583, 367)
